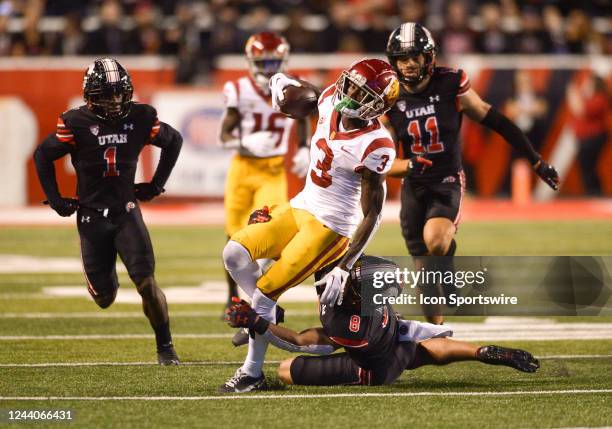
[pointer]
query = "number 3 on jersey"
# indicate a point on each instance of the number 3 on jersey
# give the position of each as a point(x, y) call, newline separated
point(324, 180)
point(431, 125)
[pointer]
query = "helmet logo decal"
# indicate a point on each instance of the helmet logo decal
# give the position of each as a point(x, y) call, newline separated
point(111, 70)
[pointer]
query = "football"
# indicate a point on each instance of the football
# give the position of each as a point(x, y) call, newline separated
point(299, 101)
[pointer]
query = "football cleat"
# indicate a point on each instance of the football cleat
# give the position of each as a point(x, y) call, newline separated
point(514, 358)
point(168, 356)
point(241, 337)
point(240, 382)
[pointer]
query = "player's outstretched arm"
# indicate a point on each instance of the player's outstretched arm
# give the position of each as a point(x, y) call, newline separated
point(170, 141)
point(372, 200)
point(47, 152)
point(312, 341)
point(480, 111)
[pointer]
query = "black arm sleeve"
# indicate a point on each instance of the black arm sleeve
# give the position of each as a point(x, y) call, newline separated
point(511, 133)
point(170, 141)
point(47, 152)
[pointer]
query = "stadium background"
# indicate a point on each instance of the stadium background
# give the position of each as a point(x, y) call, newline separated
point(57, 343)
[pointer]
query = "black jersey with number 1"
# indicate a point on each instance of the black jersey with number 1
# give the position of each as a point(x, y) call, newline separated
point(105, 154)
point(428, 123)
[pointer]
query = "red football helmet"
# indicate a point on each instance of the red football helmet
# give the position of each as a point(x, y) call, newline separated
point(366, 90)
point(267, 54)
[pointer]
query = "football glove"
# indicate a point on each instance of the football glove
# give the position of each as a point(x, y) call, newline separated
point(278, 83)
point(64, 206)
point(261, 143)
point(418, 164)
point(146, 191)
point(301, 162)
point(334, 283)
point(261, 215)
point(242, 315)
point(547, 173)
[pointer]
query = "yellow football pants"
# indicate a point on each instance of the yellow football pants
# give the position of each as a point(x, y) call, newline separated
point(252, 183)
point(300, 243)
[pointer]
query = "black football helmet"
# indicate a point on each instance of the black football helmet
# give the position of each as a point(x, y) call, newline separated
point(107, 89)
point(361, 281)
point(408, 40)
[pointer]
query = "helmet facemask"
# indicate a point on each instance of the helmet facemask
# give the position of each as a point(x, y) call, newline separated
point(108, 100)
point(263, 68)
point(355, 100)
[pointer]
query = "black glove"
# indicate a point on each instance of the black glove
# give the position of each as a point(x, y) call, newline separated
point(418, 164)
point(64, 206)
point(260, 215)
point(547, 173)
point(241, 315)
point(147, 191)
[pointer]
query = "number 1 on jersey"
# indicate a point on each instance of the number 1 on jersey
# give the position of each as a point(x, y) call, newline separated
point(431, 125)
point(110, 155)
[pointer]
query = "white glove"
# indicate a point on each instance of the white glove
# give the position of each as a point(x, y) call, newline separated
point(261, 143)
point(278, 83)
point(334, 283)
point(301, 162)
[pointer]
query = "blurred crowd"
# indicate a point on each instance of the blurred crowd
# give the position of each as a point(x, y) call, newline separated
point(198, 31)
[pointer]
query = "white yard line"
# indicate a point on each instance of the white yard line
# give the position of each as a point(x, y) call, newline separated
point(301, 396)
point(228, 362)
point(463, 331)
point(107, 337)
point(128, 314)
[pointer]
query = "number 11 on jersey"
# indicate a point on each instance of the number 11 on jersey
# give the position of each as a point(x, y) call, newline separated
point(431, 125)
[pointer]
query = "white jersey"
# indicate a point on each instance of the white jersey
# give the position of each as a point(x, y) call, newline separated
point(256, 112)
point(332, 192)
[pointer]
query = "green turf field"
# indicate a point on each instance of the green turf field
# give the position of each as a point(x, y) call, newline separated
point(572, 389)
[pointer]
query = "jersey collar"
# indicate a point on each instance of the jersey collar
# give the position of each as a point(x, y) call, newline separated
point(335, 134)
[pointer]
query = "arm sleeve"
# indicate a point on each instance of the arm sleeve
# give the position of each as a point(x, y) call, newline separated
point(63, 132)
point(511, 133)
point(464, 83)
point(48, 151)
point(170, 141)
point(230, 94)
point(313, 349)
point(379, 155)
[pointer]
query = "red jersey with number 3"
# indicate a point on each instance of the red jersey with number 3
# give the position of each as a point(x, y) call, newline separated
point(105, 154)
point(256, 113)
point(428, 123)
point(332, 192)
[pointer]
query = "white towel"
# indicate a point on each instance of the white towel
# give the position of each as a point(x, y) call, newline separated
point(411, 330)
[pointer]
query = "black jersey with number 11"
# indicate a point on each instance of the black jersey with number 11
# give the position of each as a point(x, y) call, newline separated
point(428, 123)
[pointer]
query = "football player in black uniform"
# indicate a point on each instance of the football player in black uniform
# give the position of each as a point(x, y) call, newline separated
point(104, 138)
point(426, 120)
point(378, 345)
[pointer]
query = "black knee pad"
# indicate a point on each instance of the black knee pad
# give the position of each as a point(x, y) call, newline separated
point(105, 301)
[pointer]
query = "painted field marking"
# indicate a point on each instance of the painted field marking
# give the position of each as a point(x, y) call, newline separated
point(301, 396)
point(228, 362)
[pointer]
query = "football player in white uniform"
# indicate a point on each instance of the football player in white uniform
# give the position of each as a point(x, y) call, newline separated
point(341, 203)
point(259, 135)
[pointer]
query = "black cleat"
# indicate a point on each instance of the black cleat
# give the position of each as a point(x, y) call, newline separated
point(240, 382)
point(514, 358)
point(168, 357)
point(241, 337)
